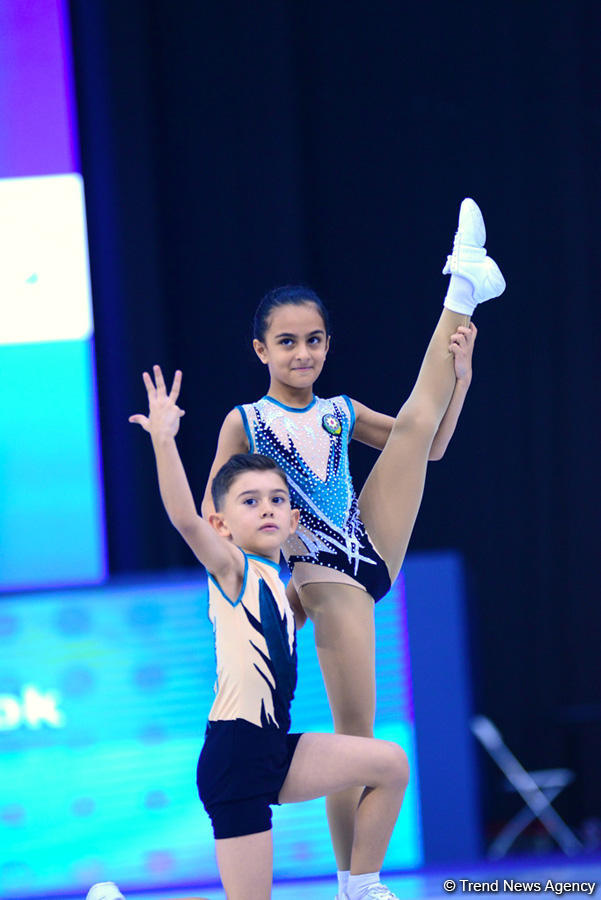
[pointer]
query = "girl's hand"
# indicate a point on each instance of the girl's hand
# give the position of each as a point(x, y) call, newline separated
point(163, 414)
point(462, 347)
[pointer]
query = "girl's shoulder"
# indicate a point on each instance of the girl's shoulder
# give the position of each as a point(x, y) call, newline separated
point(335, 408)
point(251, 405)
point(339, 398)
point(340, 401)
point(339, 405)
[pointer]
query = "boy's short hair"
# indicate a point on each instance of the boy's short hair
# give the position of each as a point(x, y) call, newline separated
point(236, 466)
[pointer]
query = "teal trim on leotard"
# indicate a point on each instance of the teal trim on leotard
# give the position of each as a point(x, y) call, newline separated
point(351, 410)
point(242, 589)
point(262, 559)
point(290, 408)
point(246, 428)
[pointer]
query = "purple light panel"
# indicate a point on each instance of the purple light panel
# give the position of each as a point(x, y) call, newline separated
point(45, 311)
point(37, 134)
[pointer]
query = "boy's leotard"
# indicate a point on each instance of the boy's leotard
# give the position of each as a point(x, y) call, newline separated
point(311, 446)
point(247, 750)
point(255, 646)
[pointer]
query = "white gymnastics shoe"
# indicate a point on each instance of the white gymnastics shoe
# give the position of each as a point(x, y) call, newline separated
point(104, 890)
point(379, 892)
point(470, 227)
point(469, 260)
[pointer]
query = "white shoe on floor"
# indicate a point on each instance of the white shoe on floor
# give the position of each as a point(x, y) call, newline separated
point(379, 891)
point(104, 890)
point(468, 257)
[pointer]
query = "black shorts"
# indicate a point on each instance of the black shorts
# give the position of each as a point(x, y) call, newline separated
point(240, 772)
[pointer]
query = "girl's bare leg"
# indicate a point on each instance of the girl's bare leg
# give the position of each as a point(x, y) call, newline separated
point(343, 618)
point(325, 764)
point(246, 866)
point(391, 496)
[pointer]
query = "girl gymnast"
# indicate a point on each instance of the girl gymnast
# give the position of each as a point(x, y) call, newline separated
point(347, 551)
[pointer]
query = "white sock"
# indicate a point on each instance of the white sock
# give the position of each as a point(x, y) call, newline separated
point(358, 885)
point(460, 296)
point(343, 877)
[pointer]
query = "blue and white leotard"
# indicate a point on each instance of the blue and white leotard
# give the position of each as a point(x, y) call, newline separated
point(311, 446)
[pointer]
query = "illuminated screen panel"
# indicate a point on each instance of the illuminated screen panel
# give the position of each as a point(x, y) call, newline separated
point(51, 517)
point(104, 694)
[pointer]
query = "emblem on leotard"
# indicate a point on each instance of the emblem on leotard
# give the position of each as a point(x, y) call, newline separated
point(332, 424)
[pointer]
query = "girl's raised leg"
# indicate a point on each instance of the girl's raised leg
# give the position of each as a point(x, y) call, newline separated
point(391, 496)
point(343, 619)
point(246, 866)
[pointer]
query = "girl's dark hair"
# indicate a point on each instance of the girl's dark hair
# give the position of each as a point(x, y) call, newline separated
point(237, 465)
point(296, 294)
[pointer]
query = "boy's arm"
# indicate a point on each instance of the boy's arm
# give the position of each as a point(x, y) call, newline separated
point(373, 428)
point(232, 439)
point(162, 423)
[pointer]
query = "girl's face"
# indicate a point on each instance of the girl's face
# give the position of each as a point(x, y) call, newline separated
point(295, 346)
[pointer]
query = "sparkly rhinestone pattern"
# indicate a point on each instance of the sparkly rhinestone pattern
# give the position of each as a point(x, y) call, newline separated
point(316, 463)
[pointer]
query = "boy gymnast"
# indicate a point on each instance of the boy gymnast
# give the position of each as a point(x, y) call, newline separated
point(249, 760)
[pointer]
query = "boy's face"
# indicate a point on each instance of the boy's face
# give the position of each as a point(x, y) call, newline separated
point(256, 513)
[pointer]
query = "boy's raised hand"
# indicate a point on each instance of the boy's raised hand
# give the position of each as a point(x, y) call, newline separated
point(462, 347)
point(163, 413)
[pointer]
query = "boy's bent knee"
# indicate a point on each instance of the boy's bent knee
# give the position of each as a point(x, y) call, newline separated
point(396, 763)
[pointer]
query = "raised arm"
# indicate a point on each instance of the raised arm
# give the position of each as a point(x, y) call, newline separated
point(462, 347)
point(162, 423)
point(232, 439)
point(373, 428)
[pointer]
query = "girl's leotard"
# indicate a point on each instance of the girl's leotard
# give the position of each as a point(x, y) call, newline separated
point(311, 446)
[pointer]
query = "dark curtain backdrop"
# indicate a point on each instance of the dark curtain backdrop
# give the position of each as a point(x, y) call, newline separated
point(229, 147)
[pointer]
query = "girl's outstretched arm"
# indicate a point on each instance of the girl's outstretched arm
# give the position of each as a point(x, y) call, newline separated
point(162, 423)
point(373, 428)
point(462, 347)
point(232, 440)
